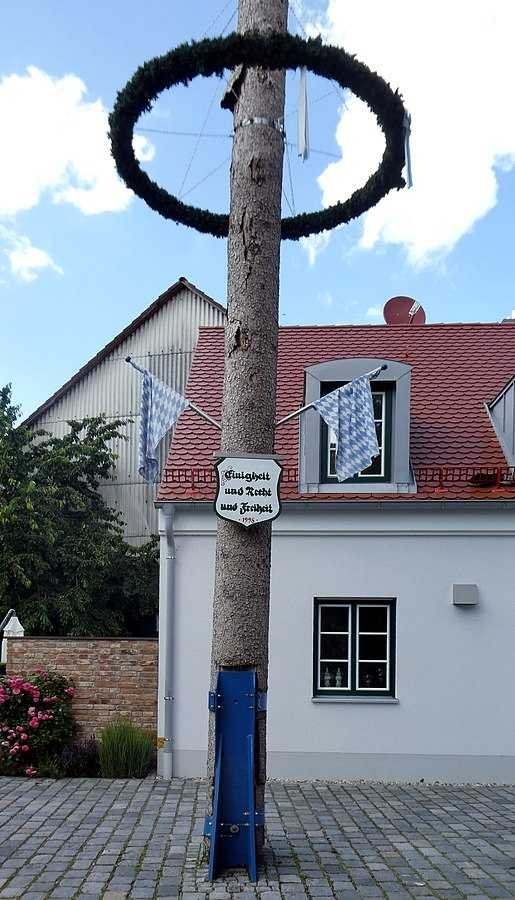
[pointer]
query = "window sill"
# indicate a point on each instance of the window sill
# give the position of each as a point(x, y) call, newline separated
point(386, 700)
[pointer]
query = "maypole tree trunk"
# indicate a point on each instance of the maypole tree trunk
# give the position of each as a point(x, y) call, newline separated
point(242, 578)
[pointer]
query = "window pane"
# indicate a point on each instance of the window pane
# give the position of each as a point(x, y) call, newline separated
point(334, 646)
point(377, 400)
point(372, 675)
point(334, 618)
point(372, 647)
point(379, 433)
point(334, 675)
point(373, 618)
point(332, 461)
point(374, 468)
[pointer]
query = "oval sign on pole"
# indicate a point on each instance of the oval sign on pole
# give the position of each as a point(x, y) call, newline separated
point(248, 489)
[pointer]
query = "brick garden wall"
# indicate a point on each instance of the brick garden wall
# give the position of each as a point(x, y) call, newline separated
point(113, 676)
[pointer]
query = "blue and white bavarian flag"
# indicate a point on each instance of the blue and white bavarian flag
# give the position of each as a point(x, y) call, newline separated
point(161, 406)
point(349, 411)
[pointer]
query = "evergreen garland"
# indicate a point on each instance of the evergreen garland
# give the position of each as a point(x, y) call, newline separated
point(273, 51)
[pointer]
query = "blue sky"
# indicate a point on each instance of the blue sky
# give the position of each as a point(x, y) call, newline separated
point(79, 258)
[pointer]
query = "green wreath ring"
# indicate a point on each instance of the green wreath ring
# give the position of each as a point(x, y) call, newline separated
point(272, 51)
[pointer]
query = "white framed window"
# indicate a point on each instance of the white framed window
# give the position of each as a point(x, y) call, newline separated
point(354, 647)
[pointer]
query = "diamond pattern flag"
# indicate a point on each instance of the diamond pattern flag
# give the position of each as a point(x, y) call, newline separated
point(161, 406)
point(349, 411)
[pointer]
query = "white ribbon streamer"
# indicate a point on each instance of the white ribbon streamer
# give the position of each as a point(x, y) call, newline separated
point(407, 154)
point(302, 117)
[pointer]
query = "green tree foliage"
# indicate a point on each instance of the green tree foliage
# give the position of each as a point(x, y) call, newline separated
point(64, 565)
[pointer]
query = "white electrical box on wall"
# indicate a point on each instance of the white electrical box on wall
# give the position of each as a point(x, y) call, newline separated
point(465, 595)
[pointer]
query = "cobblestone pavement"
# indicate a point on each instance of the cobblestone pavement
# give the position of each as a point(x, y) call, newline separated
point(89, 838)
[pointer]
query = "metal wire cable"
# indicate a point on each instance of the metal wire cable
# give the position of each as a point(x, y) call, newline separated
point(229, 20)
point(320, 152)
point(289, 175)
point(217, 17)
point(285, 195)
point(336, 87)
point(202, 180)
point(205, 134)
point(208, 113)
point(197, 142)
point(227, 136)
point(293, 112)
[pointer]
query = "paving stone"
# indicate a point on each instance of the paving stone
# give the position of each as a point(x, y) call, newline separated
point(34, 895)
point(121, 839)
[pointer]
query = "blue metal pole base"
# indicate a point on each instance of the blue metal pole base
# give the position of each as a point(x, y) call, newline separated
point(232, 825)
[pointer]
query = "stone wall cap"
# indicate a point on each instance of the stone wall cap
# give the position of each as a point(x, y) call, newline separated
point(49, 637)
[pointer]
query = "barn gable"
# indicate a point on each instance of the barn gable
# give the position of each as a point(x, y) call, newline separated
point(162, 338)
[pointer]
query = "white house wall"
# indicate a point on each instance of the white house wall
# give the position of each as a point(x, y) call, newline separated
point(455, 667)
point(165, 344)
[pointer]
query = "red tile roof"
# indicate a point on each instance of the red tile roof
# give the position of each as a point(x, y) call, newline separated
point(456, 369)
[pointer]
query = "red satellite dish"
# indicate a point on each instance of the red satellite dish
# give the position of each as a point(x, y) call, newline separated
point(404, 311)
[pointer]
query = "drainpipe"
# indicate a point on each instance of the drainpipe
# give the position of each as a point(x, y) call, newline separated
point(166, 642)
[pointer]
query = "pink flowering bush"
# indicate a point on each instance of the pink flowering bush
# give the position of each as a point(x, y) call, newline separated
point(36, 720)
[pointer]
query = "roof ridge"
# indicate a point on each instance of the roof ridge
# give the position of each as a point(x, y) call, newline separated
point(396, 325)
point(377, 325)
point(169, 294)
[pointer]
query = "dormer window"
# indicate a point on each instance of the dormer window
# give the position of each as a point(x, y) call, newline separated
point(390, 472)
point(502, 416)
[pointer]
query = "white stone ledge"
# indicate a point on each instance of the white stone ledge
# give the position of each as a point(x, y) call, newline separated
point(354, 700)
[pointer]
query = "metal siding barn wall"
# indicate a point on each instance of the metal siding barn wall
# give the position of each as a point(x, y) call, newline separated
point(165, 344)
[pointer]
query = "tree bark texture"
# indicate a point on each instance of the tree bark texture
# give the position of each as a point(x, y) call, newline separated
point(242, 576)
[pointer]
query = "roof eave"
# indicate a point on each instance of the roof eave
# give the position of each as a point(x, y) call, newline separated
point(377, 505)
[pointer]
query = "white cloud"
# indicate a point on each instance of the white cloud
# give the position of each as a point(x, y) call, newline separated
point(373, 312)
point(26, 261)
point(454, 65)
point(315, 244)
point(55, 143)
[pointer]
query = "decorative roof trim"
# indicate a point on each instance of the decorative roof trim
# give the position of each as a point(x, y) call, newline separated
point(155, 306)
point(491, 403)
point(486, 505)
